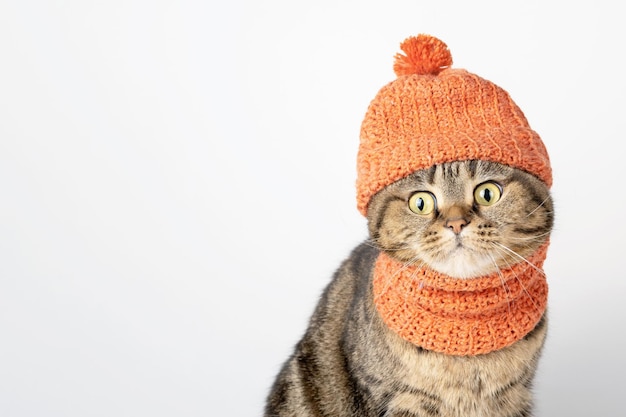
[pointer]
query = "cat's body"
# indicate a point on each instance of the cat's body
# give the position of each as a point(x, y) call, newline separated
point(350, 363)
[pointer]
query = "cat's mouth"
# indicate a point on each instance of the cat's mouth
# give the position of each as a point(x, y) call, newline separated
point(460, 250)
point(460, 243)
point(461, 260)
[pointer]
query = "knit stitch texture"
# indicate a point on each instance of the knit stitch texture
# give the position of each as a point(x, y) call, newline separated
point(457, 316)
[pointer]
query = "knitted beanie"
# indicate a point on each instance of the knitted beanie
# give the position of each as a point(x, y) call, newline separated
point(432, 114)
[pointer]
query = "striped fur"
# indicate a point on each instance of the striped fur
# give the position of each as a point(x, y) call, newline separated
point(349, 363)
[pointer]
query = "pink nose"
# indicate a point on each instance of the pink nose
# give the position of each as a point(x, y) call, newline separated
point(456, 224)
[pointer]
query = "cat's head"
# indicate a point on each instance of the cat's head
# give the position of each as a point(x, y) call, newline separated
point(422, 177)
point(464, 219)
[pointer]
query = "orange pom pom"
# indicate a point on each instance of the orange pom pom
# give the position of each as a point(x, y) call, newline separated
point(425, 54)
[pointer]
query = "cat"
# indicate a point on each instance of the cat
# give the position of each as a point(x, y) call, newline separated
point(464, 219)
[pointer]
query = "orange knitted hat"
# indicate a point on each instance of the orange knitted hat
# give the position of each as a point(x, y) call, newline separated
point(432, 114)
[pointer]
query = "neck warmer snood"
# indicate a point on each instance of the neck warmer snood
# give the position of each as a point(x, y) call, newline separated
point(461, 316)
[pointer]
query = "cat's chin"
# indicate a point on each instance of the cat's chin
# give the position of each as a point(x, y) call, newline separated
point(462, 264)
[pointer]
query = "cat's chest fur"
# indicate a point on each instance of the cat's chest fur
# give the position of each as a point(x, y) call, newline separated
point(494, 384)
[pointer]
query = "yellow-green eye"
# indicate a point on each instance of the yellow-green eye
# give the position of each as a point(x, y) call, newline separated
point(487, 193)
point(422, 203)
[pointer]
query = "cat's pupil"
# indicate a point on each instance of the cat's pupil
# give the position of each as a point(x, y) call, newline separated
point(420, 204)
point(486, 194)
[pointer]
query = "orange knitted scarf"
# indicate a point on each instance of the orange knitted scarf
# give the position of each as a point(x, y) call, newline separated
point(461, 316)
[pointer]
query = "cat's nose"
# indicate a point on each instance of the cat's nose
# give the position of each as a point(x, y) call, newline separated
point(457, 224)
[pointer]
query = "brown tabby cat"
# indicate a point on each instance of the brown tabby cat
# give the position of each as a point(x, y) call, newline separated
point(469, 219)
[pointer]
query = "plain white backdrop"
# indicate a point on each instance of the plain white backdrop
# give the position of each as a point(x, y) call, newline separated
point(177, 188)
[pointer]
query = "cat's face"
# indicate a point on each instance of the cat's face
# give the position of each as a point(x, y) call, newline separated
point(464, 219)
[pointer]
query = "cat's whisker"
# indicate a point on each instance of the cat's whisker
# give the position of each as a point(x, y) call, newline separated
point(373, 243)
point(539, 206)
point(506, 288)
point(417, 265)
point(518, 256)
point(535, 237)
point(532, 299)
point(412, 263)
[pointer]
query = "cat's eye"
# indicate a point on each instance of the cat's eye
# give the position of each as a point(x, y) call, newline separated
point(487, 193)
point(422, 202)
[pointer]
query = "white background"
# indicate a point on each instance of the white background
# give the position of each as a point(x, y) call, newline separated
point(177, 187)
